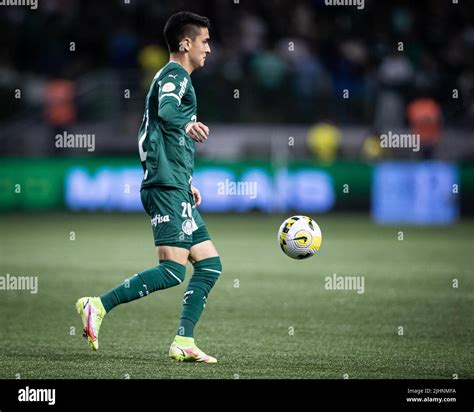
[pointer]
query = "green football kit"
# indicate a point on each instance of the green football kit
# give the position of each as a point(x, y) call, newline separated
point(167, 157)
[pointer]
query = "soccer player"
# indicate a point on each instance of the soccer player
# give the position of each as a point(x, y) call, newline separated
point(166, 145)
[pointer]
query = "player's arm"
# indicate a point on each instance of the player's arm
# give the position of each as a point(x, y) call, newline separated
point(170, 112)
point(197, 131)
point(197, 196)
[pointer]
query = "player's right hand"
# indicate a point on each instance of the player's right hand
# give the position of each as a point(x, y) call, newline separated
point(197, 131)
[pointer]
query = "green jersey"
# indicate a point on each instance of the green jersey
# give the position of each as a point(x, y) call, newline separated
point(166, 151)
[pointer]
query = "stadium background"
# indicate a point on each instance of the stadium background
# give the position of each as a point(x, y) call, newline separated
point(297, 95)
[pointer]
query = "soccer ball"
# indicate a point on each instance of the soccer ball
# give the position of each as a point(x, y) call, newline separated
point(299, 237)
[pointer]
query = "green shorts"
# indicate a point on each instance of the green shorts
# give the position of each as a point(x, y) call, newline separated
point(175, 220)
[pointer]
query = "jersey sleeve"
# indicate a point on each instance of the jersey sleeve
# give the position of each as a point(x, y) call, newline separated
point(172, 87)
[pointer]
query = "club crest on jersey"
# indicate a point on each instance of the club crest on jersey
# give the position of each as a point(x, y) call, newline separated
point(188, 227)
point(159, 219)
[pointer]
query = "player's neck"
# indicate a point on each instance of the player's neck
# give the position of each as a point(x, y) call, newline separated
point(182, 61)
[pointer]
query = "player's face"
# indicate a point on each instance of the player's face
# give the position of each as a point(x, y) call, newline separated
point(200, 48)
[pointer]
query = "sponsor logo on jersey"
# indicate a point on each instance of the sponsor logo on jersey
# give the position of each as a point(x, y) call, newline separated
point(159, 219)
point(173, 75)
point(168, 87)
point(183, 87)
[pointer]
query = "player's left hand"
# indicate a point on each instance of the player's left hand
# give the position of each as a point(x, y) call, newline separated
point(197, 196)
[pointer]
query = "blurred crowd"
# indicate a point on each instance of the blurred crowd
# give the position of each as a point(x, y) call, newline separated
point(272, 61)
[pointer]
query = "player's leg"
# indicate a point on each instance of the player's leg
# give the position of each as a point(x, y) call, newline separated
point(173, 252)
point(170, 272)
point(207, 268)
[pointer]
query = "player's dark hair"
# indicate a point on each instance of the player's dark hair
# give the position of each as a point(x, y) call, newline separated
point(183, 24)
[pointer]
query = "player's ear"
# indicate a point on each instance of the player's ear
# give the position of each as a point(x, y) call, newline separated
point(184, 45)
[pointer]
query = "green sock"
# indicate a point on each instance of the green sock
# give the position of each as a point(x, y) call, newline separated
point(205, 275)
point(163, 276)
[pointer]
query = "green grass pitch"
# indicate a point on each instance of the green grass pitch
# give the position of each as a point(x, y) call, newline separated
point(268, 316)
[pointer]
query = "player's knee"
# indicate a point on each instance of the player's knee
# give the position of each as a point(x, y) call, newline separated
point(210, 269)
point(175, 270)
